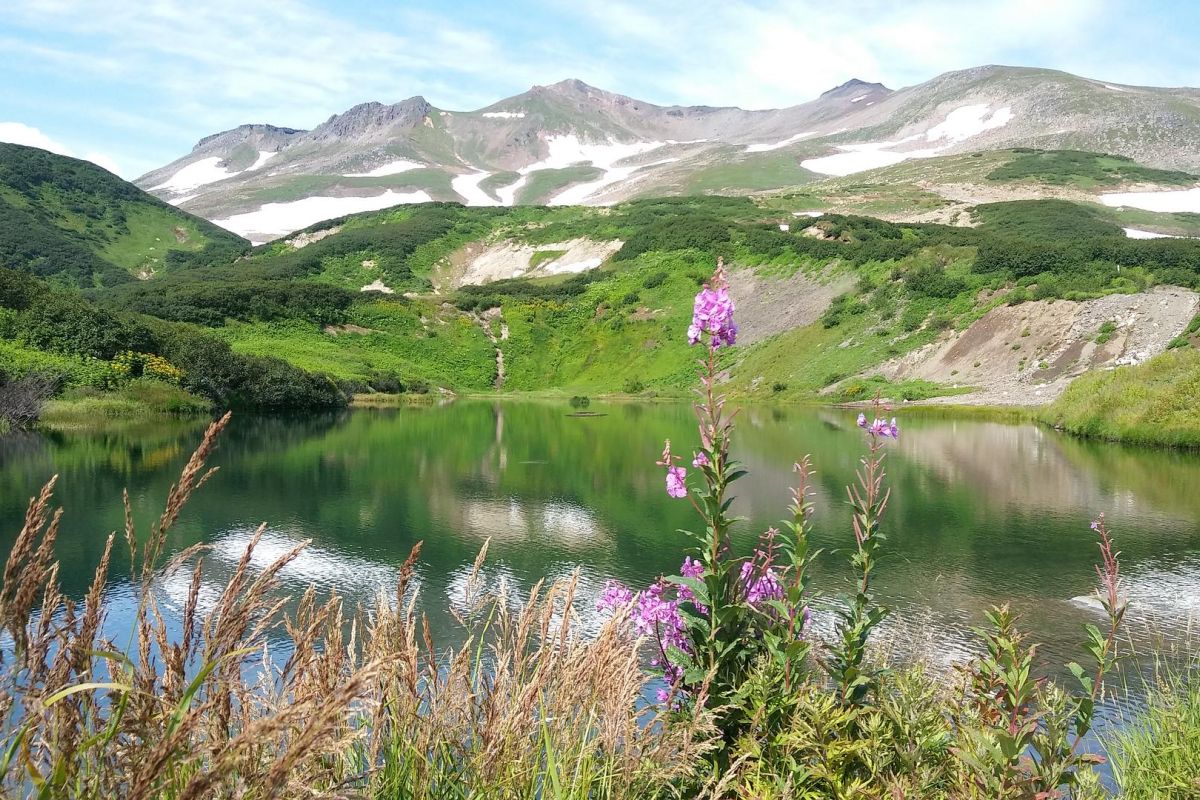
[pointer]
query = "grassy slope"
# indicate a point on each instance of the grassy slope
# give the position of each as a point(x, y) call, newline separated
point(66, 202)
point(1151, 403)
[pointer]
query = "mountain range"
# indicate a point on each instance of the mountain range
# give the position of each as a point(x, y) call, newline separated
point(571, 143)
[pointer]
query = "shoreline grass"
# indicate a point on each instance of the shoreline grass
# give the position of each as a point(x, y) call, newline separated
point(142, 399)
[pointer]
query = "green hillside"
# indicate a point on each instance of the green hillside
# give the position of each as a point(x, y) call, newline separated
point(281, 326)
point(77, 224)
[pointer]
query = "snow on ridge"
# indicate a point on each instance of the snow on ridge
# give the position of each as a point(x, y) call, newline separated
point(178, 201)
point(503, 114)
point(1172, 201)
point(195, 175)
point(860, 98)
point(963, 123)
point(278, 219)
point(763, 148)
point(467, 186)
point(263, 157)
point(567, 150)
point(960, 124)
point(390, 168)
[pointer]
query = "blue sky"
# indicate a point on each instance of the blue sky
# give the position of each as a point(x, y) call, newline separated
point(132, 84)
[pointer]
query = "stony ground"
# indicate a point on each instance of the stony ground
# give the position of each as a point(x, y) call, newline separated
point(1027, 354)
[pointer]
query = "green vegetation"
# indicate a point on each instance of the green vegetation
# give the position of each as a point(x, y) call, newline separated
point(1150, 403)
point(542, 256)
point(748, 173)
point(1157, 754)
point(1083, 169)
point(75, 223)
point(543, 184)
point(86, 406)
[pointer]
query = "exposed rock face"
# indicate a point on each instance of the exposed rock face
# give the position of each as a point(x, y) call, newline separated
point(1027, 354)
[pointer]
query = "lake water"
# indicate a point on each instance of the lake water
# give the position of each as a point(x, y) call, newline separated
point(981, 512)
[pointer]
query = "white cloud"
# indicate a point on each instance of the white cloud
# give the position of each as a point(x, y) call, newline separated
point(20, 133)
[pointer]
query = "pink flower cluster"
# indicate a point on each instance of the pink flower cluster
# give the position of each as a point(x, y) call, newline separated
point(676, 487)
point(656, 618)
point(713, 313)
point(761, 584)
point(880, 427)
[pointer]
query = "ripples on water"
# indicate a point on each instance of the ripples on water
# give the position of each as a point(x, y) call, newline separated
point(981, 513)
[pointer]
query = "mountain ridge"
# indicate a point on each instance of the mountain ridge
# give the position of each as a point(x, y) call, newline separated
point(570, 142)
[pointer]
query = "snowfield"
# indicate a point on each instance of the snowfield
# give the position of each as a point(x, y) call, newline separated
point(960, 124)
point(278, 219)
point(568, 150)
point(194, 175)
point(1175, 201)
point(1134, 233)
point(763, 148)
point(467, 187)
point(263, 157)
point(390, 168)
point(503, 114)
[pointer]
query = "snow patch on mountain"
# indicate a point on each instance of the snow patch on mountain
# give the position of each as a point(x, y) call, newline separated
point(960, 124)
point(467, 187)
point(963, 123)
point(763, 148)
point(1186, 200)
point(195, 175)
point(1134, 233)
point(278, 219)
point(503, 114)
point(263, 157)
point(390, 168)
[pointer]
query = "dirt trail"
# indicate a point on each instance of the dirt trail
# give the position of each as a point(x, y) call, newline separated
point(1027, 354)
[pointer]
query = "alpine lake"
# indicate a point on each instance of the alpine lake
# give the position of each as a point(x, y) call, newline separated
point(981, 513)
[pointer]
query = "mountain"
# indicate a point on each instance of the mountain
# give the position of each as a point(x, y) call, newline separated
point(571, 143)
point(74, 222)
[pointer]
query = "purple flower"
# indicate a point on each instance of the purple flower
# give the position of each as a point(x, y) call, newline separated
point(712, 313)
point(675, 486)
point(1096, 525)
point(615, 595)
point(691, 568)
point(880, 427)
point(700, 460)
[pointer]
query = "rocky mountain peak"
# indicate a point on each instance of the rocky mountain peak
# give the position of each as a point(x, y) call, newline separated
point(855, 86)
point(266, 137)
point(372, 116)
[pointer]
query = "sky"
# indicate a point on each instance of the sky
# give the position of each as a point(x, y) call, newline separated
point(133, 84)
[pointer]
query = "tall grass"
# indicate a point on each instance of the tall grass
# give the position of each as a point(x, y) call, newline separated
point(1150, 403)
point(246, 700)
point(1156, 756)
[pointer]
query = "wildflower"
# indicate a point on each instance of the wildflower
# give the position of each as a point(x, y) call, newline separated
point(700, 460)
point(675, 473)
point(880, 427)
point(615, 595)
point(712, 313)
point(762, 586)
point(675, 486)
point(691, 568)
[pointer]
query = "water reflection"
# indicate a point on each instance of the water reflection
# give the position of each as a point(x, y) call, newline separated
point(982, 513)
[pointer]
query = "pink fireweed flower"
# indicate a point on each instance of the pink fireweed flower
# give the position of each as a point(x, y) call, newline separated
point(691, 568)
point(700, 460)
point(880, 427)
point(675, 484)
point(712, 313)
point(615, 595)
point(675, 474)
